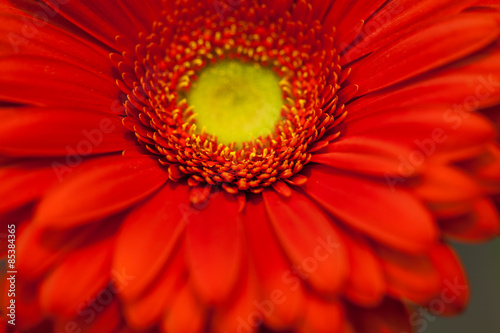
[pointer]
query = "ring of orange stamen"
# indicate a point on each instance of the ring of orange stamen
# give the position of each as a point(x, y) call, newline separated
point(158, 75)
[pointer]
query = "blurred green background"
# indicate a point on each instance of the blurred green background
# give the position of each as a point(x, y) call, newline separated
point(482, 263)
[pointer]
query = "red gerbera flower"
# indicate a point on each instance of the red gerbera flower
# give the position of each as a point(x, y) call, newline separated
point(236, 166)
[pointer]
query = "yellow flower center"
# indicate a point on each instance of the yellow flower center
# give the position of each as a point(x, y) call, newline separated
point(236, 101)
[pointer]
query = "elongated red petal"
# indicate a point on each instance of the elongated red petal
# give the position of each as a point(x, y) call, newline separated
point(67, 290)
point(363, 262)
point(314, 246)
point(105, 320)
point(366, 145)
point(487, 3)
point(60, 132)
point(134, 248)
point(323, 316)
point(214, 247)
point(427, 129)
point(44, 81)
point(364, 163)
point(396, 19)
point(32, 180)
point(240, 313)
point(477, 81)
point(149, 307)
point(110, 20)
point(27, 34)
point(390, 316)
point(343, 195)
point(405, 274)
point(418, 52)
point(361, 10)
point(447, 184)
point(29, 314)
point(187, 314)
point(454, 289)
point(99, 188)
point(278, 280)
point(482, 223)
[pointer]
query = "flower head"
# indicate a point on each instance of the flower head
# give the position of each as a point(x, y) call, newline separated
point(246, 166)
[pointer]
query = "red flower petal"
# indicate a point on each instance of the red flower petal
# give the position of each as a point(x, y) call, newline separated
point(487, 3)
point(365, 145)
point(375, 165)
point(33, 182)
point(363, 263)
point(336, 11)
point(99, 188)
point(482, 223)
point(69, 47)
point(389, 317)
point(466, 85)
point(454, 288)
point(396, 19)
point(39, 249)
point(67, 289)
point(323, 316)
point(29, 314)
point(106, 320)
point(343, 194)
point(408, 126)
point(419, 52)
point(186, 315)
point(443, 184)
point(134, 248)
point(411, 277)
point(149, 308)
point(105, 20)
point(59, 132)
point(314, 247)
point(28, 35)
point(214, 247)
point(46, 81)
point(240, 313)
point(277, 280)
point(360, 10)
